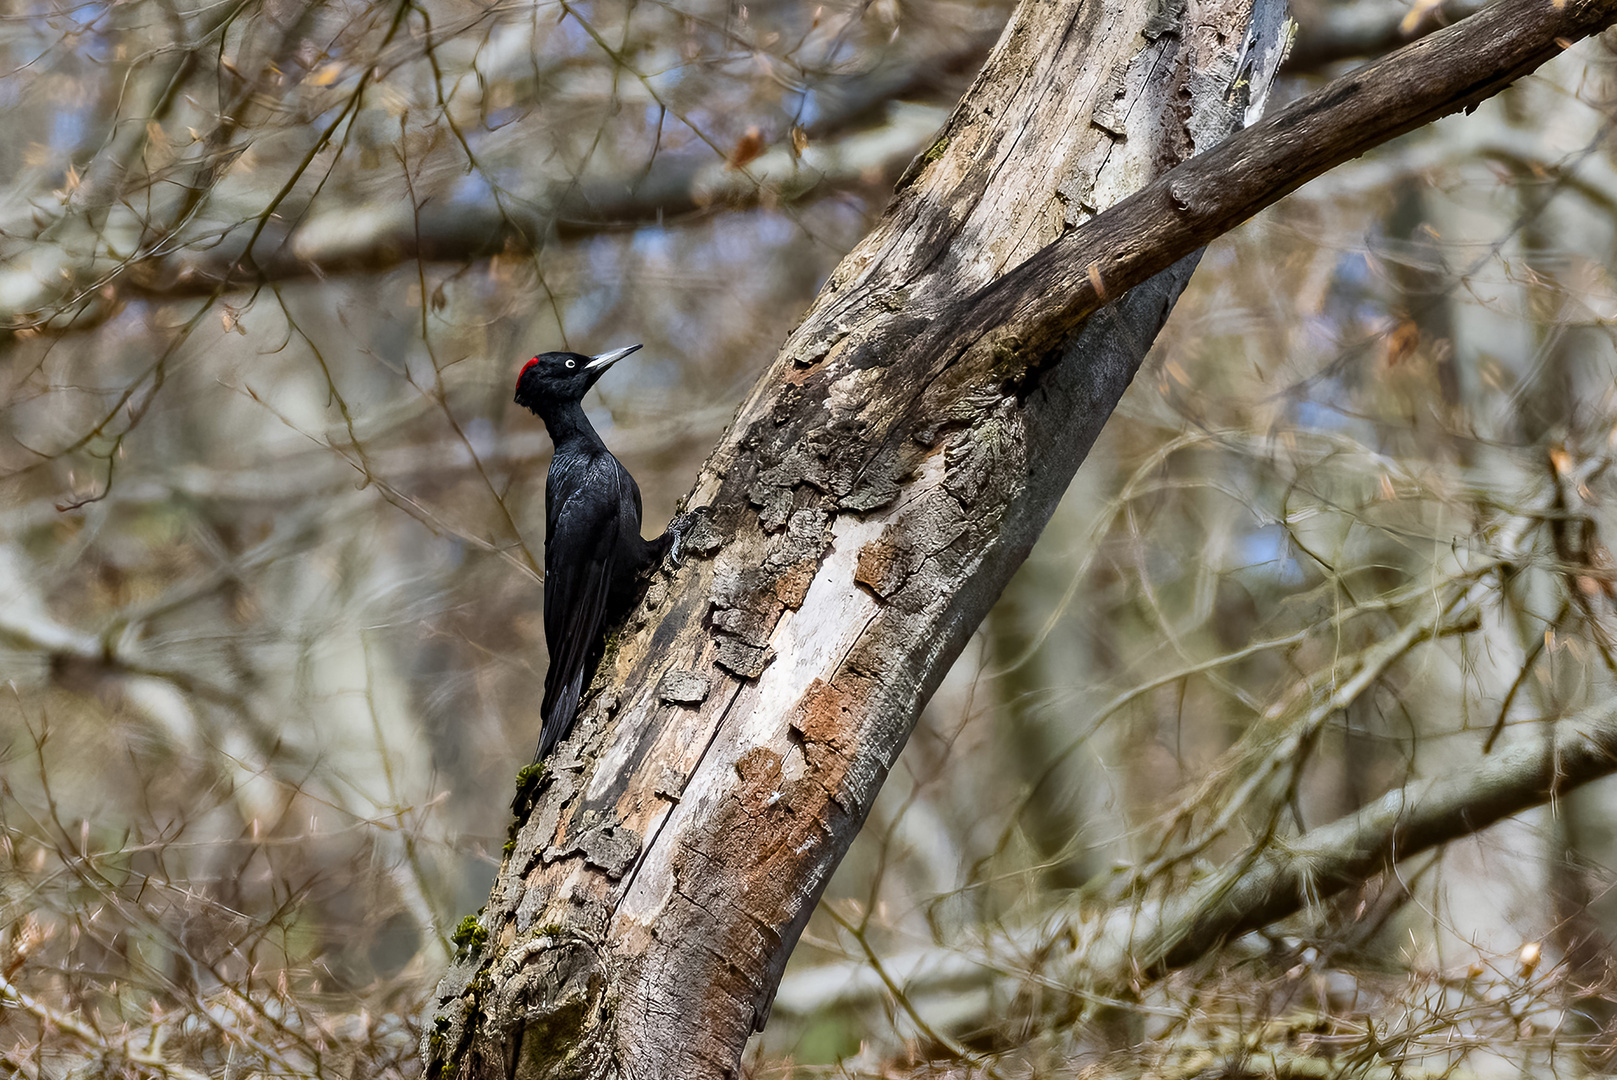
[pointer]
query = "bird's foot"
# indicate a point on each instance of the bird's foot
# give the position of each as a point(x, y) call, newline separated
point(680, 530)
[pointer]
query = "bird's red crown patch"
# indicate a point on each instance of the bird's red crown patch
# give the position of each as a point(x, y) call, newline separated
point(525, 368)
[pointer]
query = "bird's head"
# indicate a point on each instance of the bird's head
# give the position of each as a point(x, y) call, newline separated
point(559, 377)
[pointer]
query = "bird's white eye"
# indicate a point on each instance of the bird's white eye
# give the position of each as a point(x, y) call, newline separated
point(570, 363)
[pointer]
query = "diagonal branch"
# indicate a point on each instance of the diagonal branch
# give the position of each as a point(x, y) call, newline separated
point(1289, 875)
point(1105, 955)
point(872, 497)
point(1033, 308)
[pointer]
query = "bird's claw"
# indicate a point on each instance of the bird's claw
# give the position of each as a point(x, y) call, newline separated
point(677, 529)
point(681, 527)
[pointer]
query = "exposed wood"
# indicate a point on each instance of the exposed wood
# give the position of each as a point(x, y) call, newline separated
point(676, 848)
point(871, 498)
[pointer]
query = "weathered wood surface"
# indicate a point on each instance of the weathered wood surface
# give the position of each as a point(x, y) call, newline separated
point(684, 834)
point(1028, 311)
point(874, 493)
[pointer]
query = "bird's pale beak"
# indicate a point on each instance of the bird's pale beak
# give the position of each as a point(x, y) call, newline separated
point(607, 359)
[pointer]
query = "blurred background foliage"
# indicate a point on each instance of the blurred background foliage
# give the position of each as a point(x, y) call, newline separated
point(270, 633)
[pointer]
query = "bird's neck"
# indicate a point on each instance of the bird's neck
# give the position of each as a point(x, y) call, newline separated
point(569, 428)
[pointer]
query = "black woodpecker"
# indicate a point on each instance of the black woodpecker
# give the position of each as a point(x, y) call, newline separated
point(594, 554)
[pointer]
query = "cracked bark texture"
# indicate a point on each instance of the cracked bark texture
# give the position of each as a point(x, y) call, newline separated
point(677, 843)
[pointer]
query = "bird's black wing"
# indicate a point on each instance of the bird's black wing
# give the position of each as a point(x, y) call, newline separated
point(581, 545)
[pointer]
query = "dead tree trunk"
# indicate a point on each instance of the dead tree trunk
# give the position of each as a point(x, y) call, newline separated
point(870, 500)
point(679, 843)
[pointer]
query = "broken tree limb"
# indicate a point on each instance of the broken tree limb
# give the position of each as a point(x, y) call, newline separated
point(671, 855)
point(1104, 952)
point(1283, 877)
point(1015, 322)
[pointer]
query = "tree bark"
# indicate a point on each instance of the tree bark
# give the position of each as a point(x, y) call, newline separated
point(870, 500)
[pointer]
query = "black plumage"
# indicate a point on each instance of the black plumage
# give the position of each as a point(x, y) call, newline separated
point(594, 553)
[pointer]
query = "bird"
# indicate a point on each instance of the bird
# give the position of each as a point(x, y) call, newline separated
point(594, 553)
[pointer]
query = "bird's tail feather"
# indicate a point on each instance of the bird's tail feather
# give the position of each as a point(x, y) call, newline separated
point(559, 720)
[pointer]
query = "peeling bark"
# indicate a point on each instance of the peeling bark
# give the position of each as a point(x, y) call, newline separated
point(739, 798)
point(869, 502)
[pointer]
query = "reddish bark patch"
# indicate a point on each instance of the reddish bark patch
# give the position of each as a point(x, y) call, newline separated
point(828, 718)
point(737, 919)
point(793, 585)
point(759, 769)
point(883, 567)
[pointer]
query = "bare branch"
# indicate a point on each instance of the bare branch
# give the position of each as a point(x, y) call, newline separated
point(1283, 877)
point(1029, 310)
